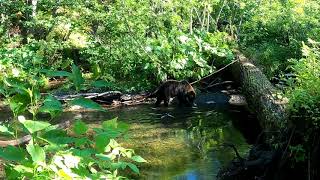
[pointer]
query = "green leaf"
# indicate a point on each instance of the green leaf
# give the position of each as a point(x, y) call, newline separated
point(102, 140)
point(134, 168)
point(80, 127)
point(81, 142)
point(110, 124)
point(12, 153)
point(113, 124)
point(23, 169)
point(76, 77)
point(138, 159)
point(199, 61)
point(37, 153)
point(83, 152)
point(87, 103)
point(19, 102)
point(5, 130)
point(119, 165)
point(34, 126)
point(103, 157)
point(52, 106)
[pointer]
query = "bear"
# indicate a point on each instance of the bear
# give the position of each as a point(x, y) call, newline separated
point(173, 88)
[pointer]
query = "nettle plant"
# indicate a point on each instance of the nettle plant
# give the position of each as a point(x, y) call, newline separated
point(80, 152)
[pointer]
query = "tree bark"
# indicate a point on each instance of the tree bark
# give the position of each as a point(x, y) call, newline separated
point(261, 96)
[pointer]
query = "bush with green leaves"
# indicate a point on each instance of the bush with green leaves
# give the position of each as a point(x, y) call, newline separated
point(271, 32)
point(305, 95)
point(58, 153)
point(112, 39)
point(54, 153)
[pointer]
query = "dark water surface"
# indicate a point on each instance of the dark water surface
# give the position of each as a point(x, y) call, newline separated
point(178, 142)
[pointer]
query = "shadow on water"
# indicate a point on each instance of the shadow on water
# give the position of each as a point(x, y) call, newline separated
point(178, 142)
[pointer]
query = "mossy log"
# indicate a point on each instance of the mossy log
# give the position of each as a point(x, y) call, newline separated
point(261, 96)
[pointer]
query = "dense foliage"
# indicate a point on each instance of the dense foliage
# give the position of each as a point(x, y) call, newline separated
point(132, 45)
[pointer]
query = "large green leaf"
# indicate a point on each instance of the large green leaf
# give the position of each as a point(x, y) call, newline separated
point(12, 153)
point(80, 127)
point(52, 106)
point(133, 167)
point(33, 126)
point(102, 140)
point(37, 153)
point(86, 103)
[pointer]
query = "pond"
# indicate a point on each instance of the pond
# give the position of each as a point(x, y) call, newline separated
point(178, 142)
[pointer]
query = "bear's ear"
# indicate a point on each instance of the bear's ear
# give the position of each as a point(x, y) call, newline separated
point(191, 95)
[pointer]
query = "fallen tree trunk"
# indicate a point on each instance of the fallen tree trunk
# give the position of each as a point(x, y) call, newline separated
point(261, 96)
point(264, 161)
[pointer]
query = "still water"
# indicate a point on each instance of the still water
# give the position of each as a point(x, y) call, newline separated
point(178, 142)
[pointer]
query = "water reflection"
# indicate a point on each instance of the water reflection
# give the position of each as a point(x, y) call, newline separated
point(178, 143)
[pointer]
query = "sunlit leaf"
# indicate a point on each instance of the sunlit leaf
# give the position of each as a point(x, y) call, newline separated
point(115, 125)
point(5, 130)
point(110, 124)
point(23, 169)
point(34, 126)
point(87, 103)
point(138, 159)
point(64, 175)
point(37, 153)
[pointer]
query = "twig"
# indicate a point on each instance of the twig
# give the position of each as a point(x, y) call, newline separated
point(215, 72)
point(221, 83)
point(235, 150)
point(288, 144)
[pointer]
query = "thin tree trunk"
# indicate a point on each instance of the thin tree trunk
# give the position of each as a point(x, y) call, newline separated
point(218, 17)
point(191, 20)
point(34, 7)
